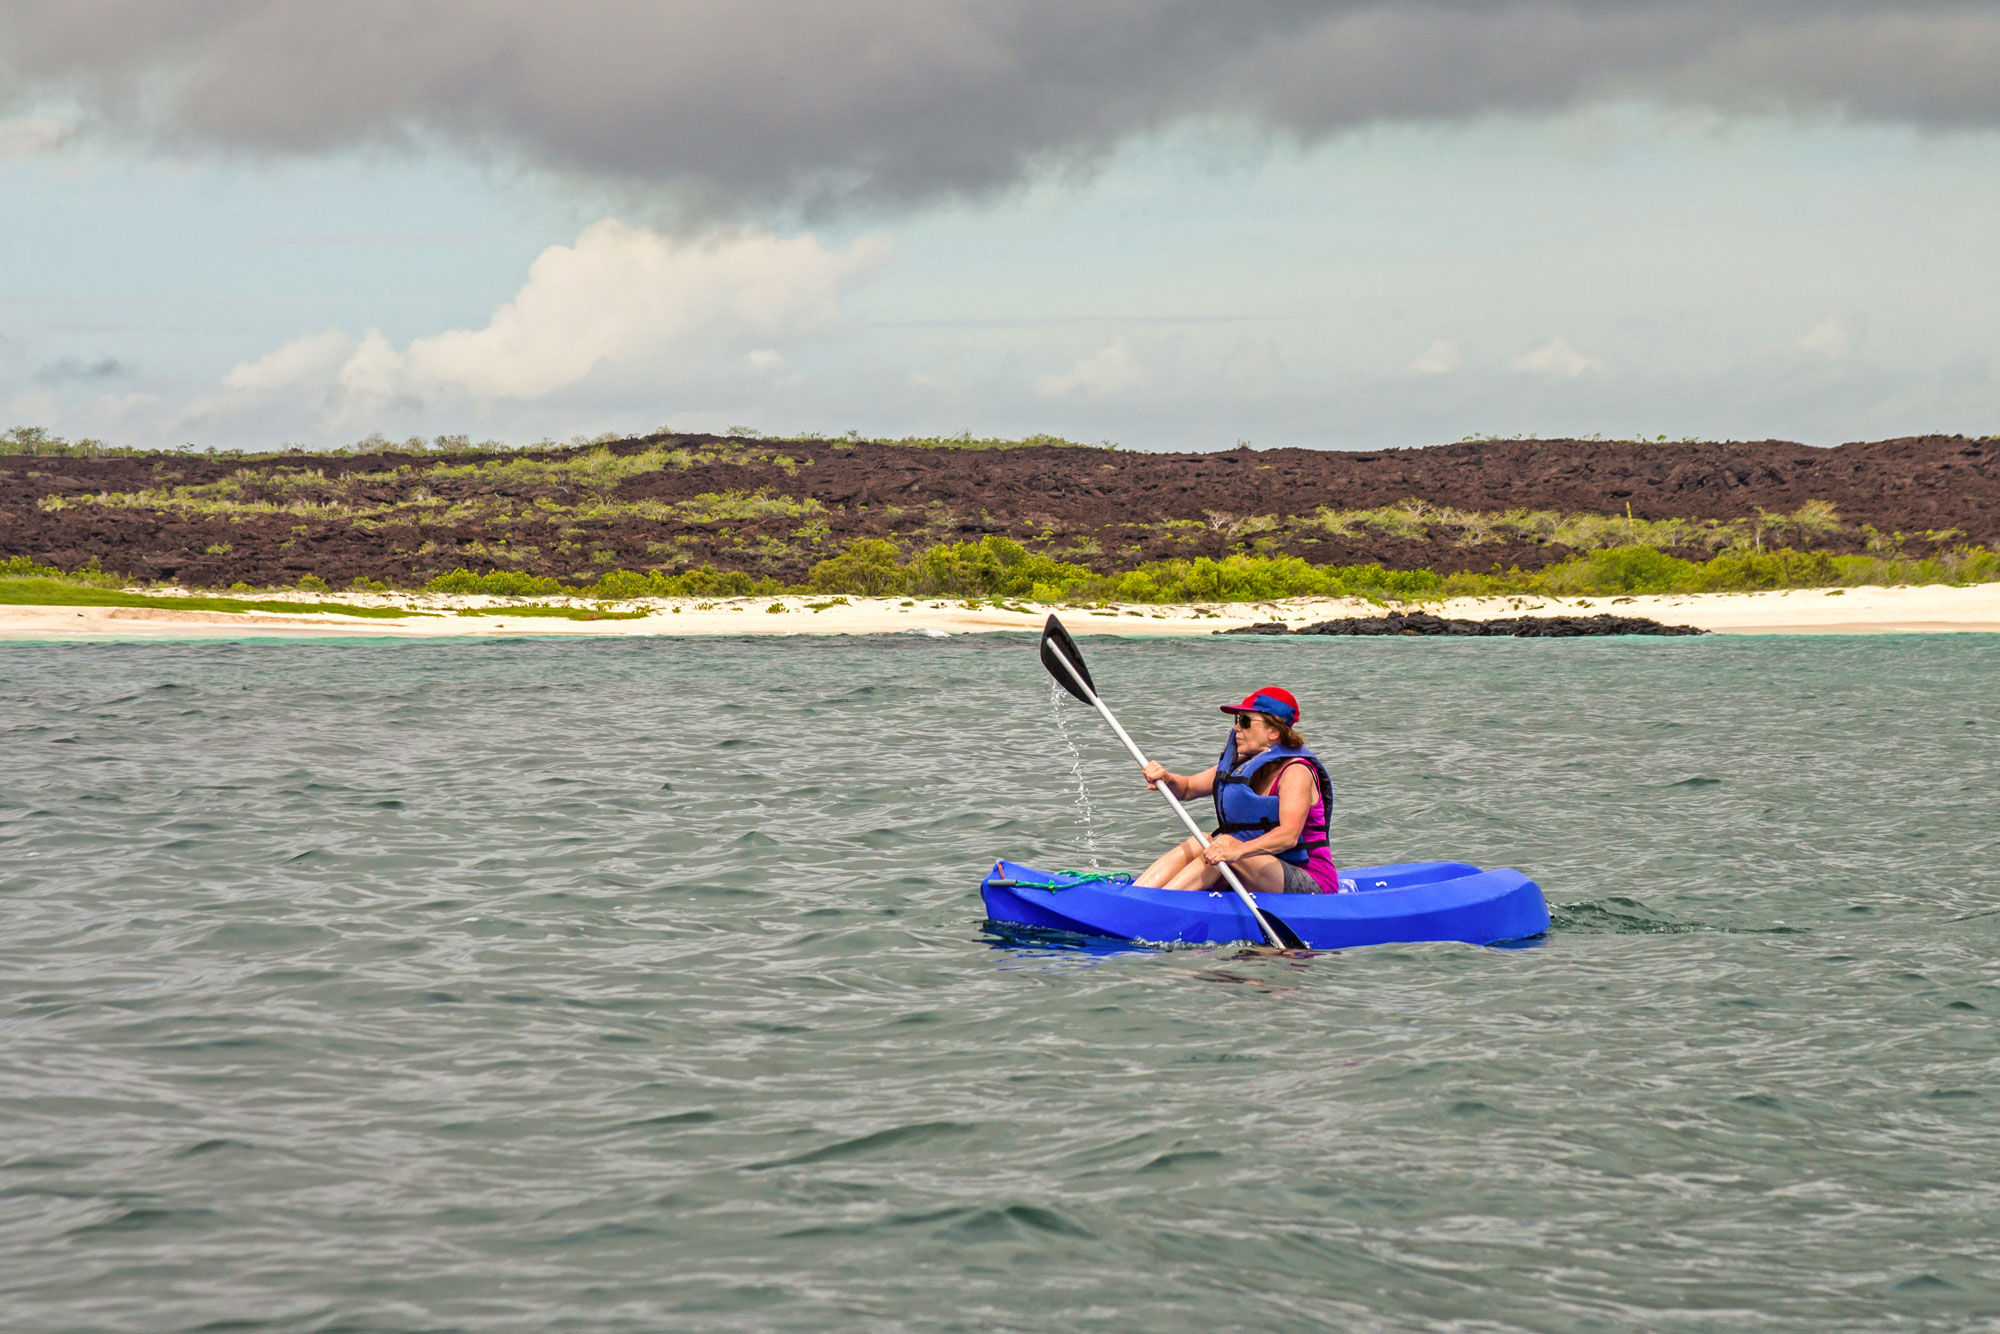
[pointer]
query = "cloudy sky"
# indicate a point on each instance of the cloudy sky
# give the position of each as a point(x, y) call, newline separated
point(1170, 223)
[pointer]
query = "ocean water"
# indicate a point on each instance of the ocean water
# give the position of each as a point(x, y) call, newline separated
point(587, 985)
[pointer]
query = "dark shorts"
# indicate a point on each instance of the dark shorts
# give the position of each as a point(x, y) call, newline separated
point(1298, 880)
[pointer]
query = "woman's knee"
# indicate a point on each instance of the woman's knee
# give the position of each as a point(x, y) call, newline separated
point(1262, 875)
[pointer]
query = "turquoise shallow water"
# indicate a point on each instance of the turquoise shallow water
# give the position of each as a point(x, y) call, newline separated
point(642, 985)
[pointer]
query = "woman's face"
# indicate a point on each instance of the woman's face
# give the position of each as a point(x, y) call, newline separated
point(1253, 734)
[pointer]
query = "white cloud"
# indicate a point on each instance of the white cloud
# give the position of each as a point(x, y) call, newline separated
point(1832, 338)
point(1556, 357)
point(623, 301)
point(35, 136)
point(1442, 357)
point(314, 356)
point(771, 364)
point(1112, 369)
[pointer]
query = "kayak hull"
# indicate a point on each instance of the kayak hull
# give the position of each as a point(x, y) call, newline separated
point(1404, 903)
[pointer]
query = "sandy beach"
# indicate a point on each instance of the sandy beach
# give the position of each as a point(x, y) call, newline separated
point(1930, 609)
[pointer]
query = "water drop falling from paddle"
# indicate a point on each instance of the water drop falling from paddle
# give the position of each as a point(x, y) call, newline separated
point(1076, 772)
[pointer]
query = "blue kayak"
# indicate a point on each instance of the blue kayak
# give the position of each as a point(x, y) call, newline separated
point(1411, 901)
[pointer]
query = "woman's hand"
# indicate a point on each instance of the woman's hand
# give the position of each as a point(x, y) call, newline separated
point(1156, 774)
point(1222, 848)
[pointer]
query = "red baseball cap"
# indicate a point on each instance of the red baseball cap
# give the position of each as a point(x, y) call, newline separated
point(1278, 703)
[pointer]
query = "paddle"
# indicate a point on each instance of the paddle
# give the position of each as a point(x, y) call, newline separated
point(1065, 664)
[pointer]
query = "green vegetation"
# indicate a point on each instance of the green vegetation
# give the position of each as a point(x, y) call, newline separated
point(34, 441)
point(999, 567)
point(703, 581)
point(566, 488)
point(870, 567)
point(966, 440)
point(21, 567)
point(1003, 570)
point(739, 506)
point(996, 566)
point(496, 583)
point(1646, 570)
point(1418, 521)
point(47, 592)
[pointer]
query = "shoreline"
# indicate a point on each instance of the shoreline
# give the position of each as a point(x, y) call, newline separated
point(1924, 609)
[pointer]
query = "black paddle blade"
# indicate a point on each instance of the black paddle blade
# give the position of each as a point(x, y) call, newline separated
point(1287, 938)
point(1058, 646)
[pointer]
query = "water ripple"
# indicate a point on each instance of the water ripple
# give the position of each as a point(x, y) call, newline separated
point(523, 985)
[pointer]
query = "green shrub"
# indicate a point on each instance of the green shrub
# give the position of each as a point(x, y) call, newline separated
point(738, 506)
point(1632, 570)
point(618, 584)
point(1372, 580)
point(1621, 570)
point(706, 581)
point(311, 583)
point(498, 583)
point(1749, 570)
point(35, 441)
point(999, 567)
point(25, 567)
point(991, 565)
point(89, 573)
point(868, 568)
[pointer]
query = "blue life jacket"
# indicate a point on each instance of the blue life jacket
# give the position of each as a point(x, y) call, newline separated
point(1239, 811)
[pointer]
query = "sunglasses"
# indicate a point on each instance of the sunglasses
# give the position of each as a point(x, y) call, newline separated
point(1243, 721)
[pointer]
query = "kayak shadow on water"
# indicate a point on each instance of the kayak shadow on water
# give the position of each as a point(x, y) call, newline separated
point(1045, 942)
point(1037, 943)
point(1031, 942)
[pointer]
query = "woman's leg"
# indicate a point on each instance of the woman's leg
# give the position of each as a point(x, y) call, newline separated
point(1162, 872)
point(1260, 874)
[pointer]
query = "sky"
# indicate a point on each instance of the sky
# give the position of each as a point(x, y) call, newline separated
point(1169, 224)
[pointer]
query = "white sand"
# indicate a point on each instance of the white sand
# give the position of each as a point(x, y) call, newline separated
point(1798, 611)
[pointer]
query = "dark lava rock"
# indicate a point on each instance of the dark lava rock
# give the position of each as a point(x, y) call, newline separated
point(1520, 627)
point(538, 511)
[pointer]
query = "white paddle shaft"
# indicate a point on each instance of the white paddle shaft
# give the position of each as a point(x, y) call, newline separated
point(1228, 872)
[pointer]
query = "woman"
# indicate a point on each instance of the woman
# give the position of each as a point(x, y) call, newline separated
point(1271, 801)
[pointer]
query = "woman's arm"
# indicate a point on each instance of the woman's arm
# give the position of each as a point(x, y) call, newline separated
point(1184, 786)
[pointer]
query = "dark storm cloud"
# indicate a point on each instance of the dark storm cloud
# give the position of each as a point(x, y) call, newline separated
point(71, 370)
point(748, 101)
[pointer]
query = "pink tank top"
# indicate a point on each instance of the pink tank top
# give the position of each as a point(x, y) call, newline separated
point(1319, 861)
